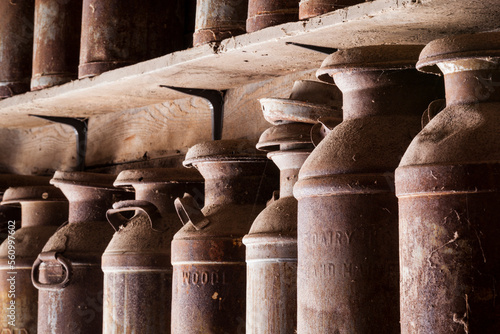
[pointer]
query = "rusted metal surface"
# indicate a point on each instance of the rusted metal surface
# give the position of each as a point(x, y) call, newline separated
point(44, 208)
point(272, 241)
point(208, 257)
point(136, 263)
point(448, 185)
point(308, 102)
point(68, 271)
point(219, 19)
point(8, 212)
point(312, 8)
point(348, 273)
point(16, 46)
point(56, 42)
point(118, 33)
point(267, 13)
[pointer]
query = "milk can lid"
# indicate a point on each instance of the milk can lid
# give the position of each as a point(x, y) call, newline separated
point(480, 45)
point(374, 57)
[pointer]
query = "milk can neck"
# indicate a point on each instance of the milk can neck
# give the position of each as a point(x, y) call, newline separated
point(384, 92)
point(289, 163)
point(232, 182)
point(471, 81)
point(43, 213)
point(89, 204)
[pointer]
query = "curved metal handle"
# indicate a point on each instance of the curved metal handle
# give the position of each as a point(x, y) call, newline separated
point(116, 219)
point(321, 129)
point(434, 108)
point(188, 212)
point(51, 257)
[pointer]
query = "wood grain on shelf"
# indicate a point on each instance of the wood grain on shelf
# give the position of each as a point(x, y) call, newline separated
point(253, 57)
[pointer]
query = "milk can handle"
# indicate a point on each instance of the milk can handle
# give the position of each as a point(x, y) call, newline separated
point(149, 209)
point(49, 257)
point(321, 129)
point(188, 212)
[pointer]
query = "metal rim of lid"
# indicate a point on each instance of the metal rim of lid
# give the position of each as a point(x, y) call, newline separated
point(478, 45)
point(224, 150)
point(369, 58)
point(15, 195)
point(291, 133)
point(278, 111)
point(84, 179)
point(149, 176)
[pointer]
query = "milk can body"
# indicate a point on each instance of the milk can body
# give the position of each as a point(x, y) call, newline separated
point(208, 257)
point(68, 271)
point(136, 263)
point(348, 276)
point(448, 185)
point(44, 209)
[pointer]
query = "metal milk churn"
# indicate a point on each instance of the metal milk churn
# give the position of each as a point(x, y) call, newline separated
point(271, 244)
point(348, 271)
point(44, 209)
point(208, 257)
point(10, 212)
point(117, 33)
point(136, 263)
point(448, 185)
point(68, 272)
point(219, 19)
point(311, 8)
point(265, 13)
point(56, 42)
point(16, 39)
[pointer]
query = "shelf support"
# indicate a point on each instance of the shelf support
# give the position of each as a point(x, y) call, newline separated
point(80, 126)
point(322, 49)
point(215, 100)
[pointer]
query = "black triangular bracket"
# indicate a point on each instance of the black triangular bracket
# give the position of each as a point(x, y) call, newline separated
point(316, 48)
point(216, 102)
point(80, 126)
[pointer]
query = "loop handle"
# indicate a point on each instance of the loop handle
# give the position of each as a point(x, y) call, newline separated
point(188, 212)
point(51, 257)
point(321, 129)
point(116, 219)
point(434, 108)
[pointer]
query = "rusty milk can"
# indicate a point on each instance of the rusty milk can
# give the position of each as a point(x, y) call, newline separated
point(56, 42)
point(312, 8)
point(117, 33)
point(448, 185)
point(10, 212)
point(44, 209)
point(271, 244)
point(208, 257)
point(136, 263)
point(68, 272)
point(219, 19)
point(348, 272)
point(16, 39)
point(265, 13)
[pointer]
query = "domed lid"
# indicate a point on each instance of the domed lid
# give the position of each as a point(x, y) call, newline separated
point(84, 179)
point(480, 45)
point(133, 177)
point(366, 58)
point(293, 133)
point(223, 150)
point(309, 101)
point(15, 195)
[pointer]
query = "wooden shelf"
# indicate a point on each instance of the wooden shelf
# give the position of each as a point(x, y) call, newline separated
point(253, 57)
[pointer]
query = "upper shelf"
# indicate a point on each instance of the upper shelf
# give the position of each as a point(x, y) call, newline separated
point(253, 57)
